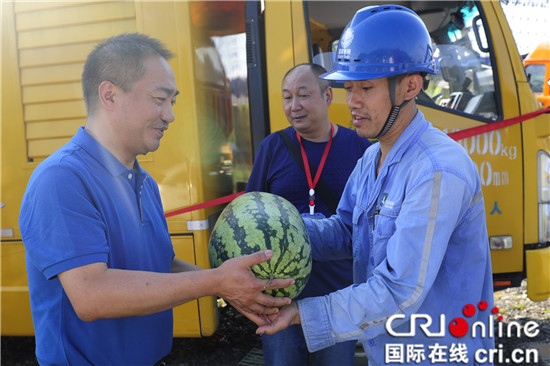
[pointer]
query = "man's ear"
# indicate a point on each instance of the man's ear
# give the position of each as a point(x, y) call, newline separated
point(414, 84)
point(328, 95)
point(107, 95)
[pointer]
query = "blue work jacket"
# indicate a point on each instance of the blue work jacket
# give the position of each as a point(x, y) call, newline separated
point(418, 239)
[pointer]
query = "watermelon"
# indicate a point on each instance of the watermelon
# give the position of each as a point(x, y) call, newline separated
point(258, 221)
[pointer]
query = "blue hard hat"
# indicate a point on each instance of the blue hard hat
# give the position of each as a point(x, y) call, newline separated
point(383, 41)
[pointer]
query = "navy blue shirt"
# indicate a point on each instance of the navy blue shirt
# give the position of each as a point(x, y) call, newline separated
point(275, 171)
point(83, 206)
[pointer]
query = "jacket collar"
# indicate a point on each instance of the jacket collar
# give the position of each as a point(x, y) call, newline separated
point(407, 138)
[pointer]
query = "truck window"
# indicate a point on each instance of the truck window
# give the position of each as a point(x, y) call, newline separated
point(219, 42)
point(535, 75)
point(465, 81)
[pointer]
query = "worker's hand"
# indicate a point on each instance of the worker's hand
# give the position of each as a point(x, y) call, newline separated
point(287, 316)
point(244, 291)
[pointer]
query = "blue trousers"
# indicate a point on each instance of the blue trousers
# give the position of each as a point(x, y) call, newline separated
point(288, 348)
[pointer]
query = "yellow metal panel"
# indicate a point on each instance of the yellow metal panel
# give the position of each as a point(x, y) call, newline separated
point(52, 93)
point(44, 148)
point(500, 161)
point(16, 312)
point(538, 274)
point(186, 316)
point(184, 247)
point(201, 253)
point(537, 132)
point(299, 34)
point(506, 64)
point(279, 56)
point(517, 98)
point(26, 6)
point(74, 34)
point(13, 147)
point(54, 111)
point(57, 55)
point(15, 291)
point(51, 74)
point(208, 315)
point(54, 42)
point(207, 305)
point(195, 318)
point(52, 129)
point(76, 15)
point(13, 254)
point(187, 320)
point(499, 155)
point(176, 164)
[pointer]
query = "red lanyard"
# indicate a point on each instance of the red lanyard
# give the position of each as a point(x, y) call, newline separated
point(313, 183)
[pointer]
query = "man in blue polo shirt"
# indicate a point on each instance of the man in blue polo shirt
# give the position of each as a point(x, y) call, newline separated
point(102, 273)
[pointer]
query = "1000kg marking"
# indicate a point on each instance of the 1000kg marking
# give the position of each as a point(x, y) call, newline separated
point(490, 144)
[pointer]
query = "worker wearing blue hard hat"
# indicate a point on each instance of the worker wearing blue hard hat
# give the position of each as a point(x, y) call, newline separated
point(411, 216)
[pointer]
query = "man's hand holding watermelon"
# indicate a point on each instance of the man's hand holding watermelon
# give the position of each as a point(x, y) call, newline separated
point(245, 292)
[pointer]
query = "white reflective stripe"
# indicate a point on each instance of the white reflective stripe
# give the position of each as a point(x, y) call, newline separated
point(428, 239)
point(15, 288)
point(476, 198)
point(7, 232)
point(197, 225)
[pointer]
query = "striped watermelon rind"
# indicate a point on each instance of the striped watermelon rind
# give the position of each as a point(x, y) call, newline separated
point(258, 221)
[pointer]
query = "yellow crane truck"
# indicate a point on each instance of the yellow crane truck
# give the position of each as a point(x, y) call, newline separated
point(230, 59)
point(537, 67)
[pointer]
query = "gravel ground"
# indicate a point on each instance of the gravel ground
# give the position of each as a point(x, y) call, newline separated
point(232, 341)
point(516, 308)
point(235, 338)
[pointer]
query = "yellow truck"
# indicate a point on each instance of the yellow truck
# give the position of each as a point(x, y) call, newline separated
point(537, 68)
point(230, 59)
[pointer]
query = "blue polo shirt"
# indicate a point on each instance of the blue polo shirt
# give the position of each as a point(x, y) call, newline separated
point(83, 206)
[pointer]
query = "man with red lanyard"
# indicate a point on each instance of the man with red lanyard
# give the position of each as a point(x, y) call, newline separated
point(308, 163)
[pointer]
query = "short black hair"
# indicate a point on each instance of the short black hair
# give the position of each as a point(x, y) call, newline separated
point(119, 60)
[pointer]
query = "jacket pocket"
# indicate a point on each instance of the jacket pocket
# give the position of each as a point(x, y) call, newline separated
point(384, 224)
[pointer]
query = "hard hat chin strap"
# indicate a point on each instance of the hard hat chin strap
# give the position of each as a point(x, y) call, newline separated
point(394, 111)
